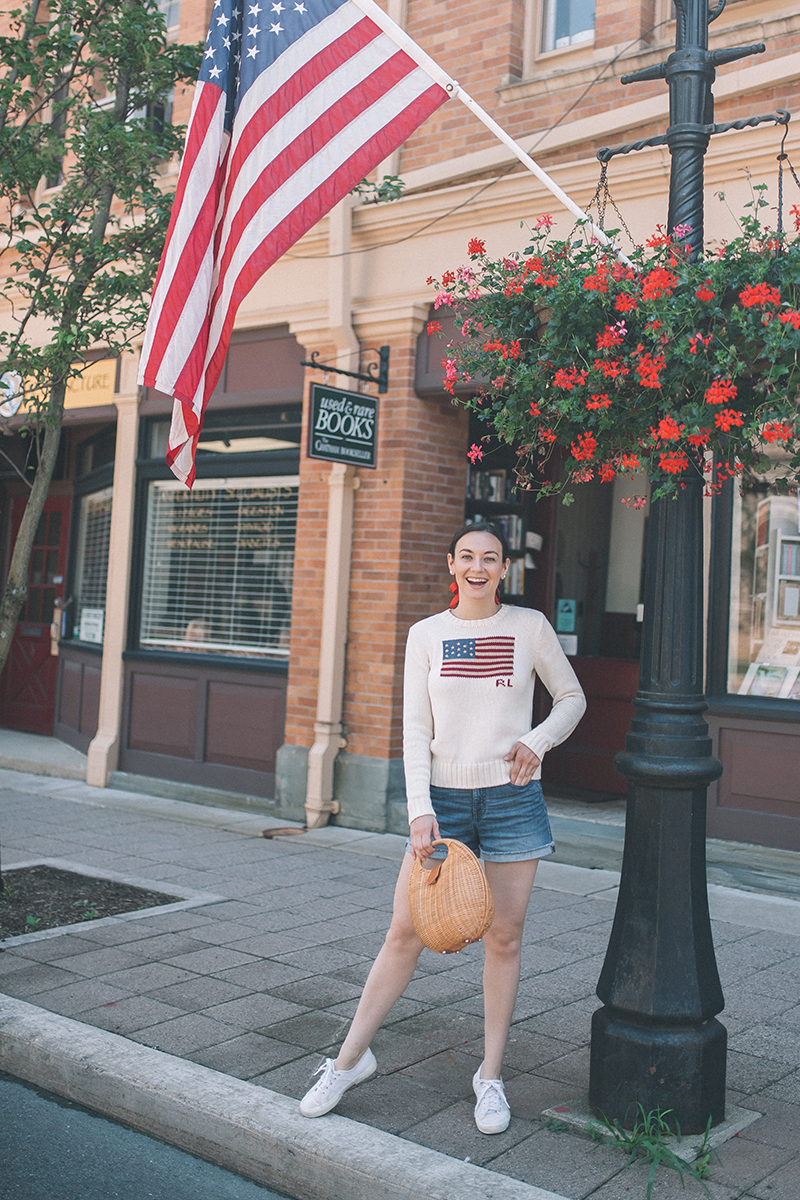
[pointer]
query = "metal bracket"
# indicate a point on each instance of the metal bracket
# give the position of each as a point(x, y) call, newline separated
point(376, 372)
point(781, 117)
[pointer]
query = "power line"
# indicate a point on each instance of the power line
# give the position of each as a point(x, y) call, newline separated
point(498, 178)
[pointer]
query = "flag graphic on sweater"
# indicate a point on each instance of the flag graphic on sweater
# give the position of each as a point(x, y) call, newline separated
point(478, 658)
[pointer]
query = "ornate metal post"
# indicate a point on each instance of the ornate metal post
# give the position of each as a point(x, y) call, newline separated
point(656, 1042)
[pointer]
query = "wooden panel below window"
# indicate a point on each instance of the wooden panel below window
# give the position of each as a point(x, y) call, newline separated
point(244, 726)
point(757, 798)
point(204, 724)
point(78, 695)
point(90, 699)
point(163, 714)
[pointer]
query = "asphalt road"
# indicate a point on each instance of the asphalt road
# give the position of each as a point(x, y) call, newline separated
point(52, 1149)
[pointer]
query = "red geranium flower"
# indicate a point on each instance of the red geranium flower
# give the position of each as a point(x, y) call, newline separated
point(791, 318)
point(568, 379)
point(629, 462)
point(721, 391)
point(648, 368)
point(659, 282)
point(607, 472)
point(611, 368)
point(601, 400)
point(704, 292)
point(727, 418)
point(777, 431)
point(759, 293)
point(476, 246)
point(700, 438)
point(669, 430)
point(584, 447)
point(434, 327)
point(674, 462)
point(598, 282)
point(546, 435)
point(624, 302)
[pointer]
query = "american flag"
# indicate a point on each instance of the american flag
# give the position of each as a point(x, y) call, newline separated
point(476, 658)
point(296, 102)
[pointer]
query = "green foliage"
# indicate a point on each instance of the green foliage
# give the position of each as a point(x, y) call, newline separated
point(649, 1138)
point(372, 192)
point(81, 84)
point(642, 364)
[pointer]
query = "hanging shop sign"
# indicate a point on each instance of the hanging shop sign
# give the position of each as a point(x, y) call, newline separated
point(343, 426)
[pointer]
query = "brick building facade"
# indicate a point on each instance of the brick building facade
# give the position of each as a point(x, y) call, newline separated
point(328, 692)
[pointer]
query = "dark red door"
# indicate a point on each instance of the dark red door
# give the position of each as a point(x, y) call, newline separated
point(586, 759)
point(28, 683)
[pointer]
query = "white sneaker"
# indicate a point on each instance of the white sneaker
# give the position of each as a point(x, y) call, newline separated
point(329, 1089)
point(492, 1113)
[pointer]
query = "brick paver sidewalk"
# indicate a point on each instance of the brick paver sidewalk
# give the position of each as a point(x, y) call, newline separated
point(261, 982)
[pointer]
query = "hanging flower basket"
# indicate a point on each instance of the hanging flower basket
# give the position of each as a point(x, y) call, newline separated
point(639, 366)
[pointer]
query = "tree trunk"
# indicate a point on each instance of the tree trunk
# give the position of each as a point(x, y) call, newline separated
point(16, 589)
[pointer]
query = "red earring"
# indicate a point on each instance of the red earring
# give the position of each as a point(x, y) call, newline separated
point(454, 590)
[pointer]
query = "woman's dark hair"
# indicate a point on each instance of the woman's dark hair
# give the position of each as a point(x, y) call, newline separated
point(481, 526)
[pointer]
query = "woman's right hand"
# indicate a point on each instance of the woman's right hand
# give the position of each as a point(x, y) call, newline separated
point(424, 830)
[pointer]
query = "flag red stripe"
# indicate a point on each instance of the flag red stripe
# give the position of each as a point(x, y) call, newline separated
point(178, 292)
point(306, 214)
point(309, 142)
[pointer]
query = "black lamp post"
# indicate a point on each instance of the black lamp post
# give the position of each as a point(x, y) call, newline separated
point(656, 1042)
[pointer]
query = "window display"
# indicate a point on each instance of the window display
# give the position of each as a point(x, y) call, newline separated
point(91, 565)
point(218, 566)
point(764, 636)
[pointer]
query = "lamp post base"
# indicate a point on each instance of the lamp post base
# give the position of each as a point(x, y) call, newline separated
point(667, 1067)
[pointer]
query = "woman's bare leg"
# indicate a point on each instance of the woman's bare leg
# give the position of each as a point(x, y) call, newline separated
point(390, 976)
point(511, 885)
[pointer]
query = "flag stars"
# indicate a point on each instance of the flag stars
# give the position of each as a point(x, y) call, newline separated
point(226, 41)
point(210, 52)
point(276, 29)
point(254, 9)
point(223, 20)
point(214, 73)
point(254, 31)
point(277, 7)
point(252, 52)
point(300, 8)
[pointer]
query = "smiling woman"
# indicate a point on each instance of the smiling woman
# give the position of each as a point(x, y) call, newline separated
point(472, 766)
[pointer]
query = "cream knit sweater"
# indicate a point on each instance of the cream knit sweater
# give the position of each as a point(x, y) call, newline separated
point(468, 697)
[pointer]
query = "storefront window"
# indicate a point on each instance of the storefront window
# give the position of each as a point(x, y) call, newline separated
point(764, 634)
point(218, 566)
point(91, 565)
point(599, 573)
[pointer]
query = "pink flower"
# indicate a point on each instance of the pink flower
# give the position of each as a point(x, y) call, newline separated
point(474, 454)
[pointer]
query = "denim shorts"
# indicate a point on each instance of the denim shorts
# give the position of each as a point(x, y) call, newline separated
point(507, 823)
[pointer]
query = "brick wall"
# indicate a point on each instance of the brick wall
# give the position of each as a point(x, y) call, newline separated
point(405, 512)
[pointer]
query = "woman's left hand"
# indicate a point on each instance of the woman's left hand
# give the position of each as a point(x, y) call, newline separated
point(523, 764)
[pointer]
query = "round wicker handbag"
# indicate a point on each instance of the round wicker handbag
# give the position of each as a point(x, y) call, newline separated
point(451, 904)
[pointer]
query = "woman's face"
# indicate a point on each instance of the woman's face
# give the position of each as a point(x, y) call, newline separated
point(477, 565)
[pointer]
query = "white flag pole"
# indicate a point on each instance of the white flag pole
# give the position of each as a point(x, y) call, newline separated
point(401, 39)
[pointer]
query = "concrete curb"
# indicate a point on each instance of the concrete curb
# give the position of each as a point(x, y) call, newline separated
point(234, 1124)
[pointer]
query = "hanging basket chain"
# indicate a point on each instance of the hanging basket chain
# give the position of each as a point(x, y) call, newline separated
point(783, 157)
point(601, 200)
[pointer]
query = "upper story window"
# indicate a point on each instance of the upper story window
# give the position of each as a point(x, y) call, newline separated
point(172, 12)
point(567, 23)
